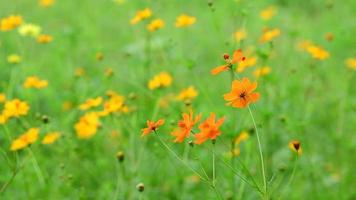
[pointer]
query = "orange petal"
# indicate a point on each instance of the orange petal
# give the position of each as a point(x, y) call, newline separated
point(237, 56)
point(219, 69)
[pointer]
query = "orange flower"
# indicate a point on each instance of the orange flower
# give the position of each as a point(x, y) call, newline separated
point(209, 129)
point(152, 126)
point(242, 93)
point(185, 126)
point(236, 57)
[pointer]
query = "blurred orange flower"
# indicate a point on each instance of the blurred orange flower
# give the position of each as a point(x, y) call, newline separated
point(236, 57)
point(241, 94)
point(152, 126)
point(209, 129)
point(185, 126)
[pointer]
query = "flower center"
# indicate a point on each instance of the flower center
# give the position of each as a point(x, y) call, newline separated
point(243, 95)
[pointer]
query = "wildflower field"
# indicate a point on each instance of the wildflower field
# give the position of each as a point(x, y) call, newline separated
point(154, 99)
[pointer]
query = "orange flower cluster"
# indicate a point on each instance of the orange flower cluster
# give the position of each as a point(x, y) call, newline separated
point(10, 23)
point(236, 58)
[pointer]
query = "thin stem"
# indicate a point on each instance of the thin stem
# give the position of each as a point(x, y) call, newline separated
point(176, 156)
point(37, 167)
point(214, 178)
point(260, 151)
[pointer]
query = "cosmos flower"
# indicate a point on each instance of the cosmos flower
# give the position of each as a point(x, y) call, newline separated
point(43, 39)
point(155, 25)
point(295, 146)
point(351, 63)
point(269, 35)
point(25, 139)
point(185, 126)
point(236, 58)
point(152, 127)
point(14, 59)
point(242, 93)
point(35, 82)
point(87, 125)
point(163, 79)
point(50, 138)
point(31, 30)
point(16, 108)
point(11, 22)
point(90, 103)
point(262, 71)
point(184, 21)
point(209, 129)
point(187, 94)
point(268, 13)
point(248, 62)
point(141, 15)
point(317, 52)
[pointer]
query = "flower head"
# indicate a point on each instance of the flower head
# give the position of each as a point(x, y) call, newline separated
point(14, 59)
point(46, 3)
point(240, 35)
point(295, 146)
point(236, 58)
point(351, 63)
point(209, 129)
point(43, 39)
point(87, 125)
point(262, 71)
point(317, 52)
point(35, 82)
point(155, 25)
point(269, 35)
point(25, 139)
point(268, 13)
point(90, 103)
point(141, 15)
point(152, 126)
point(184, 21)
point(187, 94)
point(51, 137)
point(31, 30)
point(242, 93)
point(11, 22)
point(163, 79)
point(185, 126)
point(15, 108)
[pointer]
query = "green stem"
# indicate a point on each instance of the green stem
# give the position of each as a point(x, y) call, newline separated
point(261, 154)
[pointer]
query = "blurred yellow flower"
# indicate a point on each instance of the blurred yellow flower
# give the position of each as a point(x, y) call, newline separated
point(187, 94)
point(16, 108)
point(10, 23)
point(35, 82)
point(248, 62)
point(87, 125)
point(185, 20)
point(317, 52)
point(155, 25)
point(46, 3)
point(163, 79)
point(241, 137)
point(268, 13)
point(2, 97)
point(262, 71)
point(13, 59)
point(79, 71)
point(269, 35)
point(109, 72)
point(67, 105)
point(50, 138)
point(99, 56)
point(296, 146)
point(25, 139)
point(90, 103)
point(141, 15)
point(44, 39)
point(240, 35)
point(31, 30)
point(351, 63)
point(302, 45)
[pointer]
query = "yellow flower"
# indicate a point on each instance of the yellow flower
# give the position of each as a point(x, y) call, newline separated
point(13, 59)
point(2, 97)
point(269, 35)
point(187, 94)
point(90, 103)
point(10, 23)
point(15, 108)
point(109, 72)
point(99, 56)
point(317, 52)
point(351, 63)
point(87, 126)
point(163, 79)
point(184, 21)
point(302, 45)
point(262, 71)
point(296, 146)
point(79, 71)
point(155, 25)
point(44, 39)
point(240, 35)
point(268, 13)
point(3, 118)
point(248, 62)
point(46, 3)
point(25, 139)
point(141, 15)
point(35, 82)
point(242, 137)
point(67, 105)
point(51, 137)
point(31, 30)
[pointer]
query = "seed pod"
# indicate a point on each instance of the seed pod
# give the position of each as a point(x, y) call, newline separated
point(140, 187)
point(45, 119)
point(120, 156)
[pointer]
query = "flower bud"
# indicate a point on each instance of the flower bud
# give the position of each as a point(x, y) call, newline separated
point(140, 187)
point(120, 156)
